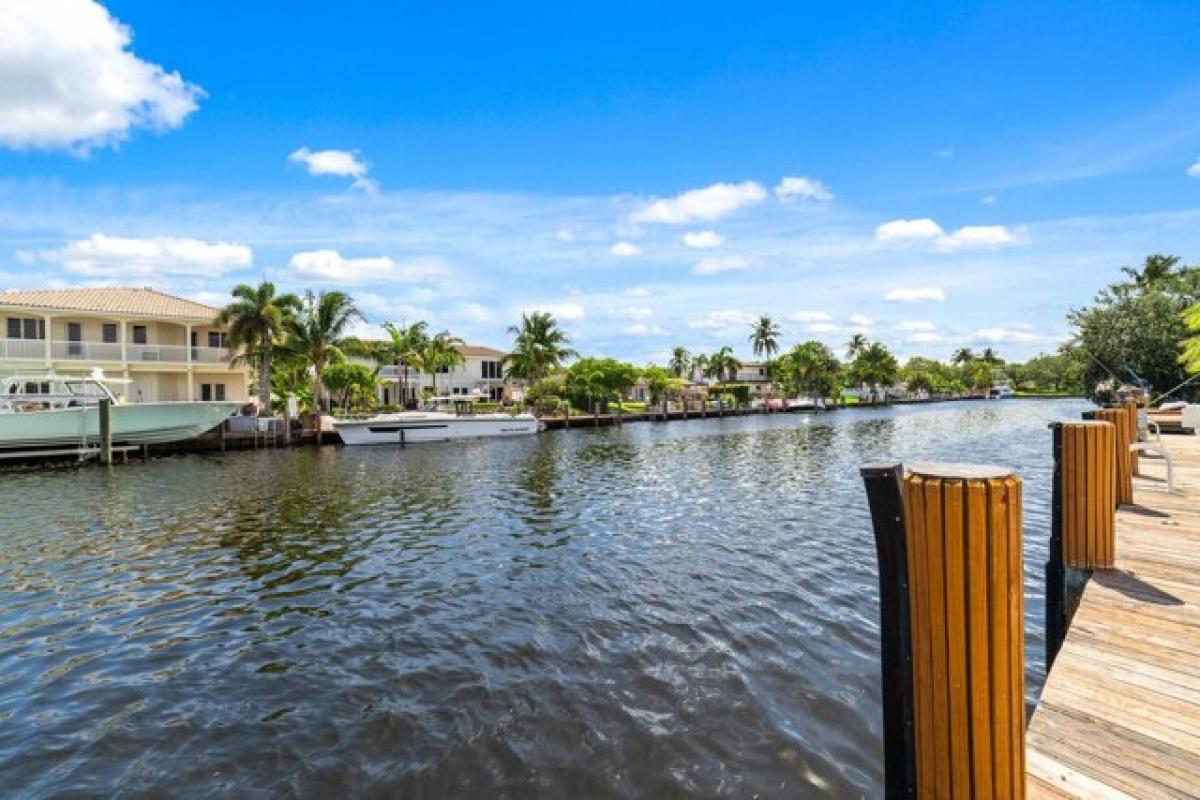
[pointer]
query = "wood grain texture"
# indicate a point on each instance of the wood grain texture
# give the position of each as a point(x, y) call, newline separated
point(1088, 466)
point(1119, 715)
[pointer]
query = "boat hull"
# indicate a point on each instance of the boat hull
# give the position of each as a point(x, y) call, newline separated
point(417, 428)
point(135, 424)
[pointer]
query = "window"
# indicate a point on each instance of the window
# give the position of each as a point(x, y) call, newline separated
point(206, 392)
point(26, 328)
point(491, 370)
point(139, 334)
point(217, 338)
point(108, 333)
point(74, 339)
point(219, 391)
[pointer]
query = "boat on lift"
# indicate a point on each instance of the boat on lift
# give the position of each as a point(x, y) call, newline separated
point(50, 410)
point(441, 419)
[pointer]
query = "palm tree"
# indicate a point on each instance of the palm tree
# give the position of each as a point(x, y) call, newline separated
point(680, 363)
point(876, 367)
point(765, 336)
point(856, 345)
point(963, 356)
point(257, 320)
point(1156, 270)
point(700, 365)
point(403, 349)
point(318, 331)
point(442, 354)
point(723, 365)
point(989, 356)
point(539, 347)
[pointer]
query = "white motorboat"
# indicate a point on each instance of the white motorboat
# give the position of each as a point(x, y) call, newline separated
point(442, 419)
point(806, 404)
point(50, 410)
point(1001, 393)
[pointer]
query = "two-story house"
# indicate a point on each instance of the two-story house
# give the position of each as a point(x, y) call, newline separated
point(166, 347)
point(480, 373)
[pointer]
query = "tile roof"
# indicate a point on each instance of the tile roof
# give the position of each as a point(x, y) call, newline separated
point(480, 350)
point(143, 302)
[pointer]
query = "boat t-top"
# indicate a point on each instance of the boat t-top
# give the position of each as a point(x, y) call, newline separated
point(48, 410)
point(440, 419)
point(1001, 392)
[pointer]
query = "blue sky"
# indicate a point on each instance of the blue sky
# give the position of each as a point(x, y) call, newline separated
point(931, 174)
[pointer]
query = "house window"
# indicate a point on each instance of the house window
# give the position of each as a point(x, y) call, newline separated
point(206, 392)
point(108, 334)
point(217, 338)
point(491, 370)
point(219, 391)
point(74, 339)
point(26, 328)
point(139, 334)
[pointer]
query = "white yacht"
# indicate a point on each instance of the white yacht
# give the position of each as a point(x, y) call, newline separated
point(51, 410)
point(440, 420)
point(1001, 393)
point(806, 404)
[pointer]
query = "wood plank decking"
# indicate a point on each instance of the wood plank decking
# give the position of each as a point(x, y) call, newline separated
point(1120, 712)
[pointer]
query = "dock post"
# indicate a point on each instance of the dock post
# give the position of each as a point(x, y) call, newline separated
point(1083, 519)
point(1119, 418)
point(951, 535)
point(1131, 408)
point(106, 432)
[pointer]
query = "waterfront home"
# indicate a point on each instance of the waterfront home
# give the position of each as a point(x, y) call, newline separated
point(166, 347)
point(755, 375)
point(480, 373)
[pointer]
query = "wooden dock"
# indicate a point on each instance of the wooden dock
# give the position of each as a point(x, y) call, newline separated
point(1120, 712)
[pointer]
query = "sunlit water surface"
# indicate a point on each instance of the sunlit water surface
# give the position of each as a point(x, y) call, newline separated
point(650, 611)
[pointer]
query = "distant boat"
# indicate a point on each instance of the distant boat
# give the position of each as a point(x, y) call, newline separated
point(1001, 393)
point(50, 410)
point(442, 419)
point(806, 404)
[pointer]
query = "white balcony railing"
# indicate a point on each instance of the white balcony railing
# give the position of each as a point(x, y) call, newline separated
point(211, 355)
point(175, 353)
point(22, 349)
point(87, 351)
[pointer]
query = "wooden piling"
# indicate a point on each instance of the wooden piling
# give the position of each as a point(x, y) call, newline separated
point(1089, 486)
point(1122, 438)
point(961, 527)
point(106, 441)
point(1131, 408)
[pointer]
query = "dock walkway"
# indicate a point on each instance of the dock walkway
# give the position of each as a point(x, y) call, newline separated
point(1120, 712)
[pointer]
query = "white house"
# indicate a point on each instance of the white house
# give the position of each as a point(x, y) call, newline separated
point(480, 373)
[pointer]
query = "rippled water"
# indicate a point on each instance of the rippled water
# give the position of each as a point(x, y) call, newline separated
point(655, 611)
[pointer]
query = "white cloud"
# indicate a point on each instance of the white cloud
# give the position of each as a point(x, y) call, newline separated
point(811, 316)
point(642, 329)
point(915, 325)
point(104, 256)
point(723, 320)
point(712, 265)
point(972, 237)
point(703, 240)
point(968, 237)
point(634, 312)
point(637, 291)
point(909, 230)
point(342, 163)
point(1005, 336)
point(801, 188)
point(701, 205)
point(474, 311)
point(560, 311)
point(330, 266)
point(822, 327)
point(861, 320)
point(565, 235)
point(624, 249)
point(988, 199)
point(921, 294)
point(924, 337)
point(945, 152)
point(1194, 169)
point(69, 81)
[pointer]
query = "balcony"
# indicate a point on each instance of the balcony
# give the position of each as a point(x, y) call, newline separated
point(211, 355)
point(173, 353)
point(86, 351)
point(22, 349)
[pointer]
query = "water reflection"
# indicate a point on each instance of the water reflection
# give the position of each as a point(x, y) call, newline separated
point(652, 610)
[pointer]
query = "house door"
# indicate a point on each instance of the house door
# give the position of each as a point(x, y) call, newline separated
point(74, 339)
